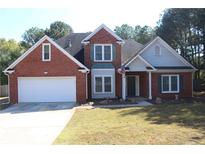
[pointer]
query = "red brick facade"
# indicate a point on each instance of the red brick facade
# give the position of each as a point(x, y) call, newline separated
point(144, 85)
point(104, 37)
point(60, 65)
point(186, 89)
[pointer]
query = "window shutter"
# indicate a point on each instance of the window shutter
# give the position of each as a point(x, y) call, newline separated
point(159, 84)
point(92, 52)
point(181, 83)
point(113, 52)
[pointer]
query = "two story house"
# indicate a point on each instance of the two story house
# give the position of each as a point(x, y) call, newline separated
point(98, 65)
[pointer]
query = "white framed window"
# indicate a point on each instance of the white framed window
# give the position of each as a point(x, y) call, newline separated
point(170, 83)
point(46, 52)
point(103, 84)
point(102, 52)
point(157, 50)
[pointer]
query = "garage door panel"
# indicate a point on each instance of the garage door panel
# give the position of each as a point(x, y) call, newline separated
point(47, 89)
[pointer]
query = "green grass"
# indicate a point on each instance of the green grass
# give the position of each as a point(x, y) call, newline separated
point(158, 124)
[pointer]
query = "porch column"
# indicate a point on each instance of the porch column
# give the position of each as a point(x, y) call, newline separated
point(123, 86)
point(150, 85)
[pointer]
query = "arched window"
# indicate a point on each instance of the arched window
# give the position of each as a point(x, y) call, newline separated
point(157, 50)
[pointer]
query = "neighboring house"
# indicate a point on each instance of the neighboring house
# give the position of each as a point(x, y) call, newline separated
point(96, 65)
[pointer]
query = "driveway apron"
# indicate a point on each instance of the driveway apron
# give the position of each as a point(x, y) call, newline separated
point(34, 123)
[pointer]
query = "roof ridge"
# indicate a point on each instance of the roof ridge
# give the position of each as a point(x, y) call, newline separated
point(134, 41)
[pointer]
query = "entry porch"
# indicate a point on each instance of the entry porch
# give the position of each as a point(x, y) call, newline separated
point(136, 84)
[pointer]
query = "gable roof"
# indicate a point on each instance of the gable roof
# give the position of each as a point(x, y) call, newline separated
point(166, 45)
point(129, 49)
point(36, 45)
point(98, 29)
point(75, 39)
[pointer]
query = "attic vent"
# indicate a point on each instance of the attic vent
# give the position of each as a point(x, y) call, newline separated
point(69, 43)
point(157, 51)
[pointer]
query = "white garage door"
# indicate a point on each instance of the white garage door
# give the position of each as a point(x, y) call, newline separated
point(47, 89)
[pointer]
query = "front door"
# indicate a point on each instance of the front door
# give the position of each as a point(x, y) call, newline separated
point(131, 89)
point(133, 86)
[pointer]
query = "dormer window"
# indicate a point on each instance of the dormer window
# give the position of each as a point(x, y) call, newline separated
point(46, 52)
point(157, 51)
point(103, 52)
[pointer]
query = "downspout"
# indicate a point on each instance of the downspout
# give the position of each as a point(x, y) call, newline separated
point(86, 84)
point(7, 74)
point(122, 72)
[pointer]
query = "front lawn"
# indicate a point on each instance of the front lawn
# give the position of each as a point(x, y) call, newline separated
point(158, 124)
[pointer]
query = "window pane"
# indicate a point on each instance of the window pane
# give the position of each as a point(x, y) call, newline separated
point(46, 48)
point(98, 52)
point(98, 84)
point(165, 83)
point(46, 55)
point(174, 83)
point(46, 51)
point(107, 52)
point(107, 81)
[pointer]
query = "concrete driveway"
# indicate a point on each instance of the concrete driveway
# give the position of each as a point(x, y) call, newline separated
point(34, 123)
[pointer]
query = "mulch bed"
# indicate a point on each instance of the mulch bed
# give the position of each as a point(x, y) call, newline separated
point(116, 101)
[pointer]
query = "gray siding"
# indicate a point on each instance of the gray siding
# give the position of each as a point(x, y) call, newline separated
point(99, 72)
point(137, 65)
point(165, 59)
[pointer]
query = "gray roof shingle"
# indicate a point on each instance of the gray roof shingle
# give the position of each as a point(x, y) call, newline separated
point(76, 48)
point(75, 39)
point(129, 48)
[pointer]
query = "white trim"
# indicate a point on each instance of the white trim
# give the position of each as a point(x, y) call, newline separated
point(9, 87)
point(134, 76)
point(9, 72)
point(86, 84)
point(146, 62)
point(123, 86)
point(150, 85)
point(137, 85)
point(36, 45)
point(142, 60)
point(98, 29)
point(86, 43)
point(103, 53)
point(176, 54)
point(169, 76)
point(83, 71)
point(9, 92)
point(30, 77)
point(49, 46)
point(120, 42)
point(103, 84)
point(169, 48)
point(174, 70)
